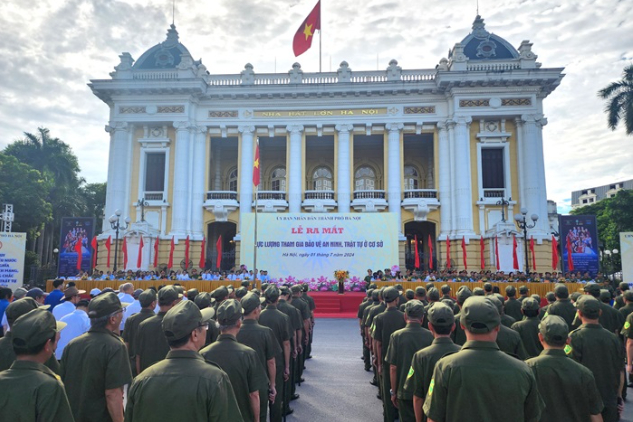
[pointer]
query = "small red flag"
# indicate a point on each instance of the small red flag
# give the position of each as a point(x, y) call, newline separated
point(481, 252)
point(203, 250)
point(302, 40)
point(515, 256)
point(497, 253)
point(170, 263)
point(218, 246)
point(108, 245)
point(448, 252)
point(570, 258)
point(187, 244)
point(532, 250)
point(256, 166)
point(430, 244)
point(124, 248)
point(464, 257)
point(417, 257)
point(139, 259)
point(156, 245)
point(94, 245)
point(554, 254)
point(79, 251)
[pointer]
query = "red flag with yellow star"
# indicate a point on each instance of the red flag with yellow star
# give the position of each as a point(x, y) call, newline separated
point(256, 166)
point(303, 38)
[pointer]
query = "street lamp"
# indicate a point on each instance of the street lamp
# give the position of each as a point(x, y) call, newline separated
point(116, 226)
point(142, 203)
point(522, 222)
point(611, 257)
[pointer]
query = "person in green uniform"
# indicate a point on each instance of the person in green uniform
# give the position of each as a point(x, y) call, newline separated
point(311, 306)
point(601, 352)
point(403, 344)
point(203, 301)
point(551, 298)
point(277, 321)
point(385, 324)
point(95, 366)
point(464, 382)
point(295, 327)
point(151, 344)
point(240, 362)
point(420, 294)
point(506, 319)
point(302, 306)
point(627, 309)
point(441, 324)
point(557, 376)
point(488, 289)
point(262, 340)
point(31, 392)
point(14, 311)
point(615, 320)
point(563, 307)
point(523, 293)
point(183, 386)
point(508, 340)
point(147, 300)
point(361, 310)
point(610, 319)
point(620, 300)
point(458, 335)
point(528, 328)
point(369, 313)
point(512, 306)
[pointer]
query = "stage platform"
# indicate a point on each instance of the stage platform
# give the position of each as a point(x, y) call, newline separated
point(334, 305)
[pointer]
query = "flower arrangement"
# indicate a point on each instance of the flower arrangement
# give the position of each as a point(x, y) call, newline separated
point(341, 275)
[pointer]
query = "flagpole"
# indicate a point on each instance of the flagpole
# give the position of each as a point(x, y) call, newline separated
point(255, 243)
point(320, 31)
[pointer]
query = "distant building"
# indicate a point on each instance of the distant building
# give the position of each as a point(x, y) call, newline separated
point(581, 198)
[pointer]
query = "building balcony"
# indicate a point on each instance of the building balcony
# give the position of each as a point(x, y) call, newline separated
point(221, 204)
point(420, 202)
point(154, 197)
point(319, 201)
point(271, 201)
point(369, 201)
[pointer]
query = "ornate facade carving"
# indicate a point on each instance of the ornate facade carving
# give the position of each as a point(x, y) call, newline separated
point(474, 103)
point(419, 110)
point(223, 114)
point(132, 109)
point(511, 102)
point(171, 109)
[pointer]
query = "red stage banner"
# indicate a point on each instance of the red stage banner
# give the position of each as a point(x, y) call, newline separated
point(124, 249)
point(94, 245)
point(515, 256)
point(554, 254)
point(417, 257)
point(533, 256)
point(448, 252)
point(464, 256)
point(139, 258)
point(156, 244)
point(430, 244)
point(481, 252)
point(203, 248)
point(79, 254)
point(218, 246)
point(497, 253)
point(170, 263)
point(187, 244)
point(108, 245)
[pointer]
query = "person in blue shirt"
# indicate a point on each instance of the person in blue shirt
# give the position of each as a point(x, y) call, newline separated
point(5, 295)
point(55, 297)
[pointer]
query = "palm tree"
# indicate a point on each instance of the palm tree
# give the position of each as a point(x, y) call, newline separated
point(620, 104)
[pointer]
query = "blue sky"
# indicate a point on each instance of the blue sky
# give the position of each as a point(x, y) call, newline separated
point(52, 48)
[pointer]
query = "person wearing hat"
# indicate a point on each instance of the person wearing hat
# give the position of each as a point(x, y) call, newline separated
point(610, 319)
point(441, 325)
point(402, 345)
point(619, 299)
point(277, 321)
point(306, 316)
point(488, 288)
point(420, 294)
point(601, 352)
point(458, 335)
point(14, 311)
point(77, 323)
point(262, 340)
point(30, 390)
point(95, 292)
point(295, 326)
point(192, 293)
point(523, 293)
point(384, 325)
point(95, 366)
point(147, 300)
point(68, 303)
point(369, 314)
point(38, 294)
point(508, 340)
point(311, 307)
point(446, 293)
point(183, 386)
point(512, 305)
point(627, 309)
point(151, 344)
point(528, 327)
point(55, 296)
point(219, 294)
point(465, 380)
point(557, 375)
point(240, 362)
point(506, 319)
point(563, 307)
point(551, 298)
point(130, 296)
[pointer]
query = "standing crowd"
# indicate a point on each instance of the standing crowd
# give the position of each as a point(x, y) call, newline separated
point(159, 354)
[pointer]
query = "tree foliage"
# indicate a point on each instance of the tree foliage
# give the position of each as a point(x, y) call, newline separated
point(619, 106)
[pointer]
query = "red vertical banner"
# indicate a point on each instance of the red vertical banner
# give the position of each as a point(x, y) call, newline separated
point(124, 249)
point(515, 255)
point(430, 244)
point(533, 256)
point(187, 244)
point(570, 258)
point(108, 245)
point(172, 246)
point(139, 258)
point(95, 247)
point(218, 246)
point(448, 252)
point(497, 253)
point(203, 250)
point(156, 245)
point(256, 166)
point(417, 256)
point(554, 254)
point(464, 255)
point(79, 251)
point(481, 252)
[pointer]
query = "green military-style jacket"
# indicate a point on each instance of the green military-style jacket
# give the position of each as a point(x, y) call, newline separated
point(512, 307)
point(458, 335)
point(182, 387)
point(564, 308)
point(384, 325)
point(130, 330)
point(151, 344)
point(528, 330)
point(507, 320)
point(423, 364)
point(626, 310)
point(371, 312)
point(32, 392)
point(509, 341)
point(295, 322)
point(277, 321)
point(7, 355)
point(259, 338)
point(568, 388)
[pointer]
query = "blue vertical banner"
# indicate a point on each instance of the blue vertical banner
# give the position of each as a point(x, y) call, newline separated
point(579, 234)
point(76, 233)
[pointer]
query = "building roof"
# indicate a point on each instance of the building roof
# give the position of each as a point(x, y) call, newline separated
point(165, 55)
point(483, 45)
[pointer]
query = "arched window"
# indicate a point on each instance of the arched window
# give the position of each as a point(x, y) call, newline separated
point(411, 178)
point(278, 179)
point(365, 179)
point(233, 180)
point(322, 179)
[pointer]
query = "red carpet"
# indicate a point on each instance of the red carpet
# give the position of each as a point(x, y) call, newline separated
point(333, 305)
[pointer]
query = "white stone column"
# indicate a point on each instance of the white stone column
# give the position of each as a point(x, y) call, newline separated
point(296, 164)
point(117, 183)
point(181, 180)
point(445, 180)
point(394, 188)
point(463, 187)
point(343, 172)
point(534, 180)
point(521, 165)
point(197, 184)
point(246, 171)
point(217, 166)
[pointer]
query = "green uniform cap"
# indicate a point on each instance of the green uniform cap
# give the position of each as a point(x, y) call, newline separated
point(574, 296)
point(284, 290)
point(192, 293)
point(272, 293)
point(536, 297)
point(523, 290)
point(530, 304)
point(229, 312)
point(203, 300)
point(147, 297)
point(180, 290)
point(554, 330)
point(497, 302)
point(70, 292)
point(511, 291)
point(220, 293)
point(104, 305)
point(34, 328)
point(589, 306)
point(561, 291)
point(605, 295)
point(398, 287)
point(420, 291)
point(19, 307)
point(440, 315)
point(593, 289)
point(433, 294)
point(623, 286)
point(409, 294)
point(478, 291)
point(550, 296)
point(375, 295)
point(183, 318)
point(463, 293)
point(414, 309)
point(250, 302)
point(305, 287)
point(628, 295)
point(488, 287)
point(295, 289)
point(241, 292)
point(265, 286)
point(167, 295)
point(390, 294)
point(479, 315)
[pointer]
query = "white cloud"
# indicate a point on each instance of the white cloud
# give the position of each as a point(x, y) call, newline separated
point(51, 49)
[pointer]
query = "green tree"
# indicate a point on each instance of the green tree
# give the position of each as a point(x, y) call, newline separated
point(620, 101)
point(94, 195)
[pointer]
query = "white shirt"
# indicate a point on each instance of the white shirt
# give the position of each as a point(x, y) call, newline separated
point(63, 309)
point(77, 324)
point(134, 308)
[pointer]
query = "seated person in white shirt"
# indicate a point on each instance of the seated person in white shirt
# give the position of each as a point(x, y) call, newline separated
point(77, 324)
